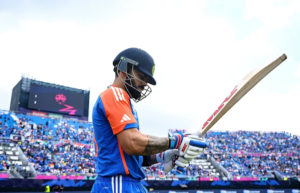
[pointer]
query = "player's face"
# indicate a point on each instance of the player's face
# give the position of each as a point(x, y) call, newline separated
point(141, 80)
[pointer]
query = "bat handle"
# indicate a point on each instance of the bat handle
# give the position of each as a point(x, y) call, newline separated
point(199, 133)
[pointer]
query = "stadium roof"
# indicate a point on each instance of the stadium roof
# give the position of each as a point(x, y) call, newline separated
point(27, 81)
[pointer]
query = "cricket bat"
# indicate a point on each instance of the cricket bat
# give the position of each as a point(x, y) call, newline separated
point(247, 83)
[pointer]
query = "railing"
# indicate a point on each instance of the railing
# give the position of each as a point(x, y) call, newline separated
point(203, 178)
point(67, 174)
point(75, 176)
point(70, 176)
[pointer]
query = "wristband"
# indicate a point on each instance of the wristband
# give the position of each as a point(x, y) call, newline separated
point(171, 142)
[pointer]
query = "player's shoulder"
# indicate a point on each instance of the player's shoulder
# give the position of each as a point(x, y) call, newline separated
point(114, 94)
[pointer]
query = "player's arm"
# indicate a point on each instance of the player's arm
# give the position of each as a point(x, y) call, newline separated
point(134, 142)
point(149, 160)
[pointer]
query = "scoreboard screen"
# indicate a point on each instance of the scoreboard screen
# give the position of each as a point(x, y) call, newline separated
point(55, 100)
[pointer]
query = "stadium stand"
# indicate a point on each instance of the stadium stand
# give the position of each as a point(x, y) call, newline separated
point(31, 146)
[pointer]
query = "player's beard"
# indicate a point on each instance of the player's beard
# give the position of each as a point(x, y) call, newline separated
point(133, 89)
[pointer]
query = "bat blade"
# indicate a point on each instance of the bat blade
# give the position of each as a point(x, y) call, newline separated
point(246, 84)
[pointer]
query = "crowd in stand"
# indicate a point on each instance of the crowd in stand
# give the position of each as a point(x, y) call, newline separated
point(252, 141)
point(3, 162)
point(156, 170)
point(250, 153)
point(52, 145)
point(66, 146)
point(4, 158)
point(63, 159)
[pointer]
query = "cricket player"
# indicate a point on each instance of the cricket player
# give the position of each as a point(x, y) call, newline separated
point(121, 149)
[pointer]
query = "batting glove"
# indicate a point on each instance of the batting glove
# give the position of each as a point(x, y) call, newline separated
point(175, 140)
point(191, 147)
point(180, 162)
point(166, 156)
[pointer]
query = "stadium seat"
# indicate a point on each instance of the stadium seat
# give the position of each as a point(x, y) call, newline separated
point(234, 151)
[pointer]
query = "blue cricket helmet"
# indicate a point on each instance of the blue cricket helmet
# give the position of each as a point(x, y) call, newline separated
point(145, 64)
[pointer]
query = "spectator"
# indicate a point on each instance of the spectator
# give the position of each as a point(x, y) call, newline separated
point(62, 146)
point(61, 188)
point(47, 189)
point(55, 188)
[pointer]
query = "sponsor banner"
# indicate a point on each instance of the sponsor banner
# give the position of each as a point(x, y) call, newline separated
point(55, 116)
point(251, 191)
point(59, 144)
point(275, 191)
point(262, 154)
point(205, 191)
point(26, 184)
point(4, 176)
point(172, 191)
point(225, 191)
point(151, 178)
point(81, 145)
point(247, 179)
point(66, 141)
point(38, 113)
point(208, 179)
point(228, 191)
point(40, 142)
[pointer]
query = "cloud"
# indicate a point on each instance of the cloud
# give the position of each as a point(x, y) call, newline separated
point(297, 71)
point(273, 13)
point(199, 60)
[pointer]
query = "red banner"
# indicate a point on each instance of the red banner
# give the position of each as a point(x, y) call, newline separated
point(81, 144)
point(38, 113)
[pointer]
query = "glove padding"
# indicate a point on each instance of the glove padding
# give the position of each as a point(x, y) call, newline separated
point(176, 160)
point(166, 156)
point(182, 162)
point(191, 146)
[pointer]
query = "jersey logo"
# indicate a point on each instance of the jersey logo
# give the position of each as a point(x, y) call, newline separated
point(118, 94)
point(125, 118)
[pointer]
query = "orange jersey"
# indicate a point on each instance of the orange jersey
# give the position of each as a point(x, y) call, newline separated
point(113, 113)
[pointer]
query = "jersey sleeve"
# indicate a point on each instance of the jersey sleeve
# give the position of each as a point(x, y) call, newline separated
point(116, 103)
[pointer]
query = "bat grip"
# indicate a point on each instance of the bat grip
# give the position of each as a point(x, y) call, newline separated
point(198, 144)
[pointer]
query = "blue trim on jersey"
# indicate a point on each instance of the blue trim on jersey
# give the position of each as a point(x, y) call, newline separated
point(130, 126)
point(101, 107)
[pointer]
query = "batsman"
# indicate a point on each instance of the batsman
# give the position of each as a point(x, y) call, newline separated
point(121, 149)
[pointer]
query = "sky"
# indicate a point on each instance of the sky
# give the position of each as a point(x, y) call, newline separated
point(202, 50)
